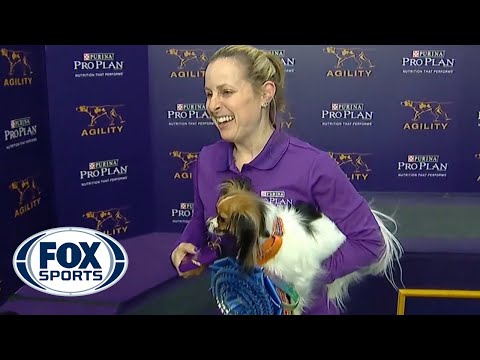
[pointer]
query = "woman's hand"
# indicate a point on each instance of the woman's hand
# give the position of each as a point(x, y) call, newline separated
point(177, 256)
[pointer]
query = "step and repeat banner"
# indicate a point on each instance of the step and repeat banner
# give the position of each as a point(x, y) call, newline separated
point(181, 126)
point(395, 118)
point(100, 129)
point(26, 196)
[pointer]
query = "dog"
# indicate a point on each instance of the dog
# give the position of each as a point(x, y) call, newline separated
point(292, 241)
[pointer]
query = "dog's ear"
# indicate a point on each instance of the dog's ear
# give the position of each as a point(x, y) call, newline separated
point(240, 183)
point(246, 232)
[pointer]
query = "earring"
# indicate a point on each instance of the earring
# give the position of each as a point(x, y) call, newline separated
point(265, 104)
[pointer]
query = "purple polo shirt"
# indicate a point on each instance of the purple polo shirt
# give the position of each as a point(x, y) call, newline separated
point(286, 171)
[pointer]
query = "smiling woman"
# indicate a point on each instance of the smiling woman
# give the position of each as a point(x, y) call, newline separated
point(244, 88)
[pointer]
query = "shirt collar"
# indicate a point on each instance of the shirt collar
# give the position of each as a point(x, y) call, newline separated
point(271, 154)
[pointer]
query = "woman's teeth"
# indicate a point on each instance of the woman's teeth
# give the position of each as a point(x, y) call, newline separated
point(224, 119)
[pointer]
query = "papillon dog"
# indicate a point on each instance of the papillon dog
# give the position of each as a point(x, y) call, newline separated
point(292, 242)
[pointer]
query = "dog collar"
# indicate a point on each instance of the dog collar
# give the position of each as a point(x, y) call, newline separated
point(272, 245)
point(288, 295)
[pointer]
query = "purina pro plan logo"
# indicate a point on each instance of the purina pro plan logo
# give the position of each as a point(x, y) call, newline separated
point(70, 261)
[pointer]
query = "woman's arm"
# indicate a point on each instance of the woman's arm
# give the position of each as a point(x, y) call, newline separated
point(338, 199)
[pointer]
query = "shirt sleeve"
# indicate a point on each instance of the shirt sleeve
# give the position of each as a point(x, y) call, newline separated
point(196, 231)
point(338, 199)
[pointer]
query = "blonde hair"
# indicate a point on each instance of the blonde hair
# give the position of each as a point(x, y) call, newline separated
point(261, 66)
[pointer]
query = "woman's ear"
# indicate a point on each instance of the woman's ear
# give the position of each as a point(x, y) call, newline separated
point(246, 232)
point(268, 91)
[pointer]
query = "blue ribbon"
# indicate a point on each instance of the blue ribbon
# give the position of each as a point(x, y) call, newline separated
point(239, 293)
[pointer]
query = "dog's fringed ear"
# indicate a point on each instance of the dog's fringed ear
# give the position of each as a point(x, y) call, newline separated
point(240, 183)
point(246, 232)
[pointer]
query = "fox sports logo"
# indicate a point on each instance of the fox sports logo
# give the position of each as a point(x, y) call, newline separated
point(70, 261)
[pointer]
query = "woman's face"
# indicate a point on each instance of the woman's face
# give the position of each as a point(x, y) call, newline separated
point(232, 103)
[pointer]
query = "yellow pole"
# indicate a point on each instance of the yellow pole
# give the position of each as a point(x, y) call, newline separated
point(433, 293)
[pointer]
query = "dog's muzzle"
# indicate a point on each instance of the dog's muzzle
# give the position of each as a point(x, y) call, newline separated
point(212, 224)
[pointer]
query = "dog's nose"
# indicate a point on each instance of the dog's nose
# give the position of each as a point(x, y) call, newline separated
point(209, 222)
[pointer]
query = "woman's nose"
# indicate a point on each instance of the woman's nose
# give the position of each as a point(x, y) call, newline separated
point(214, 104)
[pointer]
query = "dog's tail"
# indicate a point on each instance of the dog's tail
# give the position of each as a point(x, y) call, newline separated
point(392, 253)
point(338, 291)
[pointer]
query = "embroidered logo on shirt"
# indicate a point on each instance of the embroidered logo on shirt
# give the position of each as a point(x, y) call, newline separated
point(276, 197)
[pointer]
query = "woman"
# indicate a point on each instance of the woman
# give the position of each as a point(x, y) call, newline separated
point(244, 87)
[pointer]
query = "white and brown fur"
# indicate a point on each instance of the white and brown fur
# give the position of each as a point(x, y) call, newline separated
point(309, 238)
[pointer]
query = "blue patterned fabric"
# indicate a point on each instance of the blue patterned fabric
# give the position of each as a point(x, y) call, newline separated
point(239, 293)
